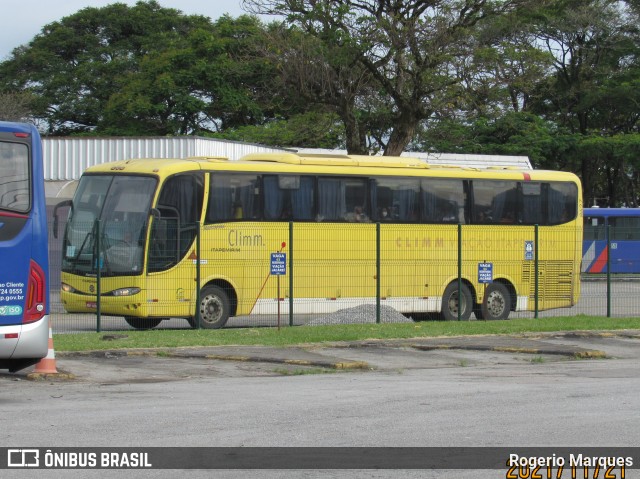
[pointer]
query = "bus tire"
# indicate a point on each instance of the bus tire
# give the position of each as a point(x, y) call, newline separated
point(142, 323)
point(450, 302)
point(214, 307)
point(496, 303)
point(192, 322)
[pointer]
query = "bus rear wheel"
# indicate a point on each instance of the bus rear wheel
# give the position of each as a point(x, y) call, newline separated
point(496, 303)
point(214, 307)
point(142, 323)
point(451, 303)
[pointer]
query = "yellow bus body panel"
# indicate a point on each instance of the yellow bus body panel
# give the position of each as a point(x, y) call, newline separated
point(335, 263)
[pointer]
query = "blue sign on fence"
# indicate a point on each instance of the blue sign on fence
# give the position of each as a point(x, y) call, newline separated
point(528, 250)
point(485, 272)
point(278, 264)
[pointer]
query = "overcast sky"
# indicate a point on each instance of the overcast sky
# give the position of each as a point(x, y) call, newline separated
point(21, 20)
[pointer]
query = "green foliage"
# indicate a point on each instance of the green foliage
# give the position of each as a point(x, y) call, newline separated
point(313, 128)
point(75, 65)
point(515, 133)
point(142, 70)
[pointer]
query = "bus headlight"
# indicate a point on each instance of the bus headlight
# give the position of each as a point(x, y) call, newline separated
point(124, 292)
point(66, 288)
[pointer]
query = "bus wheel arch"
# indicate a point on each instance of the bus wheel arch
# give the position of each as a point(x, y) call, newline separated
point(450, 303)
point(499, 300)
point(218, 302)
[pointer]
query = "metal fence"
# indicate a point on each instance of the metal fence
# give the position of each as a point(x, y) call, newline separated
point(344, 273)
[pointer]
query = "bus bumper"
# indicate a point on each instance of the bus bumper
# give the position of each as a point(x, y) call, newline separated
point(29, 340)
point(116, 306)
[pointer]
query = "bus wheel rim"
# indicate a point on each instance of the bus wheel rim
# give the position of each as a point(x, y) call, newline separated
point(454, 304)
point(211, 309)
point(495, 304)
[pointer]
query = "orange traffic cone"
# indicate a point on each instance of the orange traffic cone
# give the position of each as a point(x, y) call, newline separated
point(47, 365)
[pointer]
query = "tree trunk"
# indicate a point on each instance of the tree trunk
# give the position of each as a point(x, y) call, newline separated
point(402, 134)
point(355, 139)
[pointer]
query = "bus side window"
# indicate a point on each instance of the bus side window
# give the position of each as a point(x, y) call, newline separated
point(624, 228)
point(164, 247)
point(495, 201)
point(331, 200)
point(220, 205)
point(14, 184)
point(505, 206)
point(532, 203)
point(232, 196)
point(181, 201)
point(442, 201)
point(562, 199)
point(594, 228)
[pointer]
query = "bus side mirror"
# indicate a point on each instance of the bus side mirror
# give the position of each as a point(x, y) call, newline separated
point(56, 221)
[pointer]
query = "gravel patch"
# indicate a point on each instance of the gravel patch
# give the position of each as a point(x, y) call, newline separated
point(363, 314)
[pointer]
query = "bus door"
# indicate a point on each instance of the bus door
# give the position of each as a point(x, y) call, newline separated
point(171, 242)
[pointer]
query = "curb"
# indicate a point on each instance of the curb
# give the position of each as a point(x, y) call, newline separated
point(528, 343)
point(581, 354)
point(297, 362)
point(340, 364)
point(59, 376)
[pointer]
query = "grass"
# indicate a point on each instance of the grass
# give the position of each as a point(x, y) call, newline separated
point(289, 336)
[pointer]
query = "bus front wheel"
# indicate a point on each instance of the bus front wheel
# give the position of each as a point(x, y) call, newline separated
point(496, 303)
point(451, 303)
point(214, 307)
point(142, 323)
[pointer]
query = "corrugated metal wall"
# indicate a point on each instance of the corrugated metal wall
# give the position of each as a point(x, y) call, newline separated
point(67, 157)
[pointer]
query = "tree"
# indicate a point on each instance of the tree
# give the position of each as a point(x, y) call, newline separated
point(14, 107)
point(593, 90)
point(410, 49)
point(513, 133)
point(321, 75)
point(209, 80)
point(147, 70)
point(75, 66)
point(311, 129)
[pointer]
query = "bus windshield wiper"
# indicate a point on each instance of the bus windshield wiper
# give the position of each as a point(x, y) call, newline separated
point(82, 246)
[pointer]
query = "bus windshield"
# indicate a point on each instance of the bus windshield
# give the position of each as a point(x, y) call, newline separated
point(122, 204)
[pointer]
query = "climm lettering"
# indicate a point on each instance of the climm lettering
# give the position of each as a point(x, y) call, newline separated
point(419, 242)
point(239, 238)
point(479, 244)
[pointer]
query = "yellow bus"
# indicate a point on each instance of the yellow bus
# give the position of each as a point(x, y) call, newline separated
point(357, 230)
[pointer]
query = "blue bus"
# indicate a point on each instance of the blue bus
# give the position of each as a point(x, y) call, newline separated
point(24, 257)
point(624, 232)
